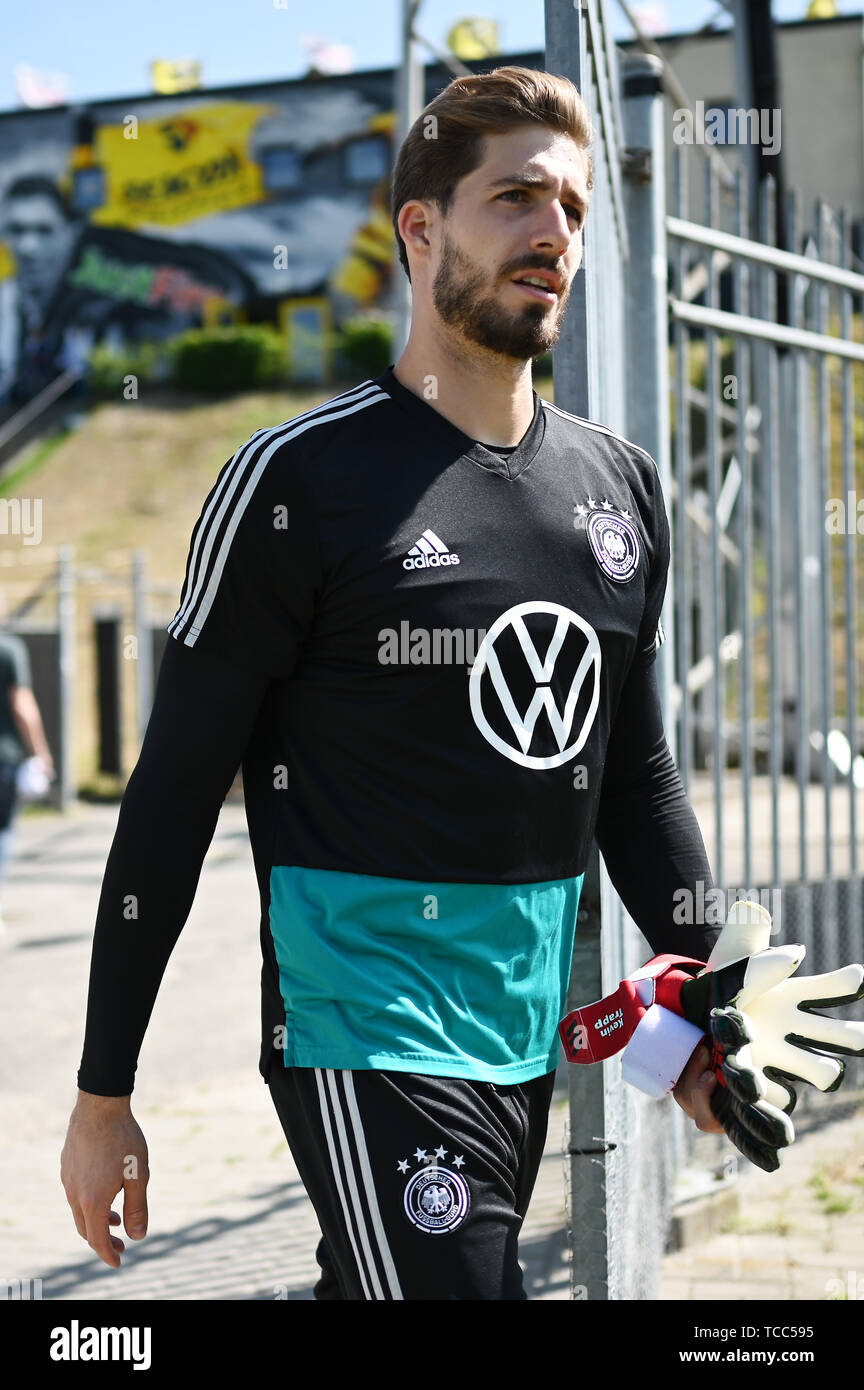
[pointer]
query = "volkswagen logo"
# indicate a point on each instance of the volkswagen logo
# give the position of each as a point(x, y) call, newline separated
point(535, 684)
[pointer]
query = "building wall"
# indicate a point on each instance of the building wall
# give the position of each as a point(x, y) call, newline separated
point(153, 214)
point(135, 219)
point(821, 102)
point(823, 111)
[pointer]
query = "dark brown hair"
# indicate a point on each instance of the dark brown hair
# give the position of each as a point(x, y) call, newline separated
point(436, 155)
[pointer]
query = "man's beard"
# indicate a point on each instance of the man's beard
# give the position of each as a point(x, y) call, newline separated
point(458, 295)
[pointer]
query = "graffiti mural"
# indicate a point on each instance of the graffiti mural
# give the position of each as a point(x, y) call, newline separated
point(134, 220)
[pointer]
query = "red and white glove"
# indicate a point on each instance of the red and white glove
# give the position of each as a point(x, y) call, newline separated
point(763, 1029)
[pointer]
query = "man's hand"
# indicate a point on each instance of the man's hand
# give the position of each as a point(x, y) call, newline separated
point(105, 1151)
point(694, 1088)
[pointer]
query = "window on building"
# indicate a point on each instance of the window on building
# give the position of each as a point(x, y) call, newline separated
point(282, 168)
point(366, 160)
point(88, 188)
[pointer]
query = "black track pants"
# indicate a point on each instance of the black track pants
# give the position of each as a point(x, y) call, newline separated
point(420, 1183)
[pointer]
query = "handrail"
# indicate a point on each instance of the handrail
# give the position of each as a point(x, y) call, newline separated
point(765, 255)
point(47, 396)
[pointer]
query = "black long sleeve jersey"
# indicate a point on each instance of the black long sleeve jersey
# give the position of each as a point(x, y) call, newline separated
point(434, 662)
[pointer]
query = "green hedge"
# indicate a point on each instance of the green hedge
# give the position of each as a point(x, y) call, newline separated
point(108, 371)
point(221, 360)
point(245, 357)
point(366, 345)
point(363, 345)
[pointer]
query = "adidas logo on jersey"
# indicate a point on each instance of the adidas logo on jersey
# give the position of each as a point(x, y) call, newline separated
point(429, 552)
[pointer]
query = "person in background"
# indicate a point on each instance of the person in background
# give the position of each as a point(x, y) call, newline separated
point(21, 736)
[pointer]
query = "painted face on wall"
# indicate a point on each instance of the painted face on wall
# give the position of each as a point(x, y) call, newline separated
point(40, 239)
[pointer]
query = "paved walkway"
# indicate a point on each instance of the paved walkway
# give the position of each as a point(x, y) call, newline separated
point(228, 1216)
point(799, 1232)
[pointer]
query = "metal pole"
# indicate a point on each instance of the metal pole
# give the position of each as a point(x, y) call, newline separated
point(824, 651)
point(741, 42)
point(409, 100)
point(645, 203)
point(715, 610)
point(852, 944)
point(683, 457)
point(143, 643)
point(66, 630)
point(651, 1132)
point(567, 54)
point(743, 366)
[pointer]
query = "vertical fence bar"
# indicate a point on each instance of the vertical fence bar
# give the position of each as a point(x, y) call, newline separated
point(712, 388)
point(144, 644)
point(645, 1131)
point(804, 914)
point(682, 477)
point(648, 416)
point(567, 53)
point(67, 643)
point(409, 98)
point(741, 300)
point(771, 518)
point(853, 946)
point(829, 905)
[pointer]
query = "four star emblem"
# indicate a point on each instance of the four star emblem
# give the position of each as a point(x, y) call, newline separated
point(423, 1157)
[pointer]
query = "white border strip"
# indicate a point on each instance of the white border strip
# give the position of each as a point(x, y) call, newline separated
point(334, 1163)
point(352, 1183)
point(371, 1195)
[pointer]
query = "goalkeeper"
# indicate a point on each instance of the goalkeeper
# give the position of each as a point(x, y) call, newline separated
point(420, 821)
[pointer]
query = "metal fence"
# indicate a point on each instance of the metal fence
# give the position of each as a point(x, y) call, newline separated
point(621, 1144)
point(744, 376)
point(95, 636)
point(768, 472)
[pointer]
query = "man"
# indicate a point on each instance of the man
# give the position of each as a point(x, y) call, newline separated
point(420, 824)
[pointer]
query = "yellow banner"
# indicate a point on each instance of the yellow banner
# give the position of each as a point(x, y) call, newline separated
point(175, 76)
point(178, 168)
point(474, 37)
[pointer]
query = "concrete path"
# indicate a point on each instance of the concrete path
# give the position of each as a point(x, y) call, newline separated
point(229, 1218)
point(798, 1233)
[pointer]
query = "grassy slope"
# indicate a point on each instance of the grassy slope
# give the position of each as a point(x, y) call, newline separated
point(134, 476)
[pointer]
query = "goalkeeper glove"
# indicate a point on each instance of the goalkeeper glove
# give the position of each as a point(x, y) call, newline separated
point(764, 1031)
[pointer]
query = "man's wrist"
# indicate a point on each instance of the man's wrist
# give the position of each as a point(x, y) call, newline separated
point(93, 1103)
point(658, 1052)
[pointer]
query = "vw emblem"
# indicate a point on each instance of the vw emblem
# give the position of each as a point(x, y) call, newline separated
point(536, 659)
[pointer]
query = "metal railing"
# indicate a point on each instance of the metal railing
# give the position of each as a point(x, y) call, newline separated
point(620, 1143)
point(768, 589)
point(757, 356)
